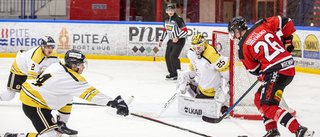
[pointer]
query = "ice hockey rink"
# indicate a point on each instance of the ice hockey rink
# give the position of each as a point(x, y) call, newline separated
point(146, 82)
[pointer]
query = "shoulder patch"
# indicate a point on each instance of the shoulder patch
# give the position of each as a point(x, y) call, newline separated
point(53, 54)
point(37, 55)
point(211, 54)
point(76, 76)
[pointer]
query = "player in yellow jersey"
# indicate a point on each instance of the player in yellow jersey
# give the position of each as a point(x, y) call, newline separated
point(28, 65)
point(55, 88)
point(208, 75)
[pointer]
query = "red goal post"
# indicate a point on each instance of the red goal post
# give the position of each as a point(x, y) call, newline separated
point(240, 79)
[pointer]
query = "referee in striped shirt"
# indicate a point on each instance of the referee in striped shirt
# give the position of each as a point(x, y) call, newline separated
point(175, 27)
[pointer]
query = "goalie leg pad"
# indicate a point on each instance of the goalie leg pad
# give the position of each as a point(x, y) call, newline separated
point(198, 107)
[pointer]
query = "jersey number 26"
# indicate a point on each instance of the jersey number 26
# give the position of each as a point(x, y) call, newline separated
point(265, 44)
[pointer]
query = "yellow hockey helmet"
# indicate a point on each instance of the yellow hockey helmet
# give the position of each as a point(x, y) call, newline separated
point(198, 44)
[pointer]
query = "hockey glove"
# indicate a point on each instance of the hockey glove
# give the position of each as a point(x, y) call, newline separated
point(287, 42)
point(260, 78)
point(120, 105)
point(183, 79)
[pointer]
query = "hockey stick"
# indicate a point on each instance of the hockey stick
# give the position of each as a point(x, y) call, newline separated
point(217, 120)
point(128, 102)
point(89, 104)
point(164, 108)
point(161, 122)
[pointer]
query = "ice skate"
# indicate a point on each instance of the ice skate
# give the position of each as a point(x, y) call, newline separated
point(171, 77)
point(272, 133)
point(63, 129)
point(10, 134)
point(304, 132)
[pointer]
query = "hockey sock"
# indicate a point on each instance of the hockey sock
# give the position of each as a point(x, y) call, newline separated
point(287, 120)
point(282, 116)
point(269, 123)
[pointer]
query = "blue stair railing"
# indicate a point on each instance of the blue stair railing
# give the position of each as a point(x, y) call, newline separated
point(22, 7)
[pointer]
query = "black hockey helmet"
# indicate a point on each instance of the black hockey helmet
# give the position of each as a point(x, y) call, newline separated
point(47, 41)
point(237, 23)
point(171, 6)
point(74, 56)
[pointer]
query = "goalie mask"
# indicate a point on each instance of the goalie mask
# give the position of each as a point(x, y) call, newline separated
point(74, 57)
point(198, 44)
point(236, 25)
point(47, 41)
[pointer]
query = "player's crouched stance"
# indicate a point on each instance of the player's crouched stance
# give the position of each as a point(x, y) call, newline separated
point(209, 93)
point(55, 89)
point(268, 64)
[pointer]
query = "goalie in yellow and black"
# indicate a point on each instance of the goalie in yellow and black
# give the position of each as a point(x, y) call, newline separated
point(207, 78)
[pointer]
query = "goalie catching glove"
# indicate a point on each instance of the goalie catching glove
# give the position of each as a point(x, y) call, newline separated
point(287, 42)
point(183, 80)
point(120, 105)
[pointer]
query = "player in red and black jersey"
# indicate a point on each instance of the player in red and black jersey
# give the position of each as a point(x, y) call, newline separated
point(268, 57)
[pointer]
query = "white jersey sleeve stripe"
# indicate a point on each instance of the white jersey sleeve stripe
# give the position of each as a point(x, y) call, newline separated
point(89, 93)
point(33, 97)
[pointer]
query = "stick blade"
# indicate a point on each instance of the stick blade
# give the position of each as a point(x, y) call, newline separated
point(212, 120)
point(148, 114)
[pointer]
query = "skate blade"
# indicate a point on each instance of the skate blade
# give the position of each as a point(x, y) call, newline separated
point(58, 134)
point(310, 133)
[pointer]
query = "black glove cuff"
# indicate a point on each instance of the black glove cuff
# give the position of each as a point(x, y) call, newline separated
point(111, 104)
point(287, 38)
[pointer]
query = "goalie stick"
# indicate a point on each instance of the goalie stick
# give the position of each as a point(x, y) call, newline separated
point(128, 102)
point(161, 122)
point(217, 120)
point(164, 108)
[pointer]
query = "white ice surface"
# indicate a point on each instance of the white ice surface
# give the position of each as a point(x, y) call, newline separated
point(146, 82)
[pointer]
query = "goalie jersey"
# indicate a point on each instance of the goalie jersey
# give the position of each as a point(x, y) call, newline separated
point(32, 62)
point(210, 68)
point(57, 86)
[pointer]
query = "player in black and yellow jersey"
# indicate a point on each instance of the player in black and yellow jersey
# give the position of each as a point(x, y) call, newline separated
point(55, 88)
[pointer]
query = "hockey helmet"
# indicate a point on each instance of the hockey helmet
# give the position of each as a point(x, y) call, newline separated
point(237, 23)
point(74, 56)
point(198, 43)
point(47, 41)
point(171, 6)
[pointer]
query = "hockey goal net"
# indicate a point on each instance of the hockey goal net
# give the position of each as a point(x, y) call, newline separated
point(240, 79)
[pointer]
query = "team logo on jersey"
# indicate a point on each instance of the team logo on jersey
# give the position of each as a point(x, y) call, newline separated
point(278, 95)
point(18, 87)
point(169, 27)
point(269, 91)
point(52, 119)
